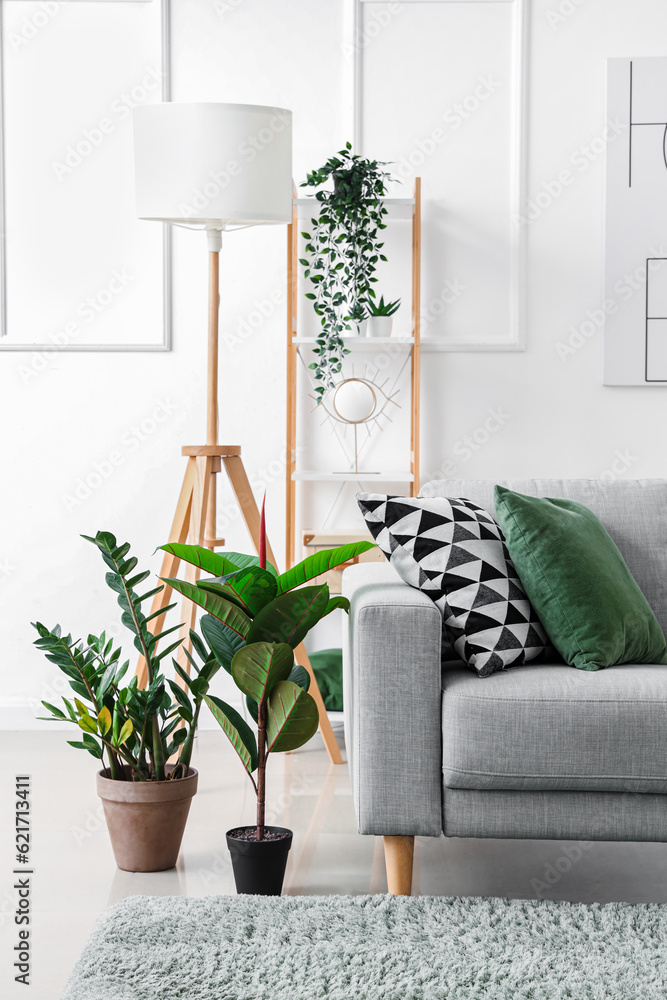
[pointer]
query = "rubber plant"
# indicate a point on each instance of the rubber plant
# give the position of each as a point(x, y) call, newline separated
point(135, 730)
point(343, 248)
point(255, 620)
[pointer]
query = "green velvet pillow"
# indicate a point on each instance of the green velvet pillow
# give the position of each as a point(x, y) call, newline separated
point(327, 666)
point(578, 582)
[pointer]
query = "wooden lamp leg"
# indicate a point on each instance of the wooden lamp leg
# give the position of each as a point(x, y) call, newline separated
point(179, 533)
point(399, 856)
point(199, 513)
point(302, 658)
point(245, 497)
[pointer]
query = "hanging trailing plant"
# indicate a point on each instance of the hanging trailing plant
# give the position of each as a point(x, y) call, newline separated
point(344, 249)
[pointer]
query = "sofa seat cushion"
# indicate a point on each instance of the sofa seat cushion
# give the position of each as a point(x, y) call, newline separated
point(552, 727)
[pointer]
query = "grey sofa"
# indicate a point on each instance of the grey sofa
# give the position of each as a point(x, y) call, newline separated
point(543, 751)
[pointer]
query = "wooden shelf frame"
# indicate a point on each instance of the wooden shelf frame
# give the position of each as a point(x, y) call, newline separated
point(398, 208)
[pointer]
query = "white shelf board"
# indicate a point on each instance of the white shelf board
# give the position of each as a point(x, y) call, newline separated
point(397, 208)
point(313, 476)
point(361, 343)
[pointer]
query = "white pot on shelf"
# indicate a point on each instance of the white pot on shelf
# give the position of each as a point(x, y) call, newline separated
point(379, 326)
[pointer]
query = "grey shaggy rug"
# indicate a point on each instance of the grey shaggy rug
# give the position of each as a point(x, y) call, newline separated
point(372, 948)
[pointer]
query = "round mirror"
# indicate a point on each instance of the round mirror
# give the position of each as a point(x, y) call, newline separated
point(354, 401)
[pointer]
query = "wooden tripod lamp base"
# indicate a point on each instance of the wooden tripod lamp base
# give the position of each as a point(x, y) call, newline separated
point(193, 514)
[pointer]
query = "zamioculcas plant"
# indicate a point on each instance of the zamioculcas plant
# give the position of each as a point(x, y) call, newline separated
point(135, 731)
point(343, 249)
point(256, 618)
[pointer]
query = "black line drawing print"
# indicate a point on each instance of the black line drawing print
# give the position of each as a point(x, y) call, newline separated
point(634, 124)
point(649, 319)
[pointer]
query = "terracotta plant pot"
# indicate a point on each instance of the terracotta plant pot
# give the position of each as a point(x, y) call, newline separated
point(146, 819)
point(259, 866)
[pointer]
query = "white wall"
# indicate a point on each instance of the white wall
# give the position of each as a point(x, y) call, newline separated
point(556, 417)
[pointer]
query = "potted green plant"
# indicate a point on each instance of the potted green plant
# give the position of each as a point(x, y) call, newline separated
point(255, 619)
point(381, 317)
point(343, 248)
point(133, 732)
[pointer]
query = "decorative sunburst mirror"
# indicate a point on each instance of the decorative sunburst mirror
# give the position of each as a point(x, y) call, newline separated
point(358, 401)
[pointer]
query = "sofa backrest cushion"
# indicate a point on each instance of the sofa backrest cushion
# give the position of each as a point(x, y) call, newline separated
point(634, 512)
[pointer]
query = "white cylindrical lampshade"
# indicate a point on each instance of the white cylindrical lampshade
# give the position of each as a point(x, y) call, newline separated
point(214, 165)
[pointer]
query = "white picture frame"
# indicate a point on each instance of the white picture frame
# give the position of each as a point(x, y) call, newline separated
point(516, 236)
point(162, 341)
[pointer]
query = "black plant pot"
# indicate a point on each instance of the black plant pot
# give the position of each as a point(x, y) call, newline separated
point(259, 865)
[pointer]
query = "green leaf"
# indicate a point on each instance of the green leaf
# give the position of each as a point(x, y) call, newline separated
point(104, 721)
point(107, 678)
point(85, 746)
point(216, 563)
point(82, 709)
point(180, 696)
point(211, 562)
point(139, 578)
point(223, 610)
point(335, 603)
point(289, 617)
point(198, 645)
point(242, 560)
point(259, 666)
point(88, 724)
point(292, 717)
point(180, 736)
point(253, 710)
point(237, 731)
point(222, 641)
point(300, 676)
point(54, 711)
point(125, 732)
point(251, 589)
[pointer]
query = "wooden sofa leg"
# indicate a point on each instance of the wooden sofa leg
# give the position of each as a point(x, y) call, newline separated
point(398, 856)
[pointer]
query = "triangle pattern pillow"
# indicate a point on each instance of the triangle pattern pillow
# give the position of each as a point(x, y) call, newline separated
point(454, 551)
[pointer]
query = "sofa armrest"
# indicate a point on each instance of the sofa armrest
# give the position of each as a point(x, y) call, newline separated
point(392, 698)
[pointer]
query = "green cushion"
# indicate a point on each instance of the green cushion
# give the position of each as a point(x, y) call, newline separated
point(578, 582)
point(327, 666)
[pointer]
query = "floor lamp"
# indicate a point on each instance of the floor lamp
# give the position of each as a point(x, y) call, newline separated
point(214, 167)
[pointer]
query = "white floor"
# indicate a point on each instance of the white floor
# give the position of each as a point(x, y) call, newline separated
point(75, 877)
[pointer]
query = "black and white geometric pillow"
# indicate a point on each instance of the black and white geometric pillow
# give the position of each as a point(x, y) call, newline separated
point(454, 551)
